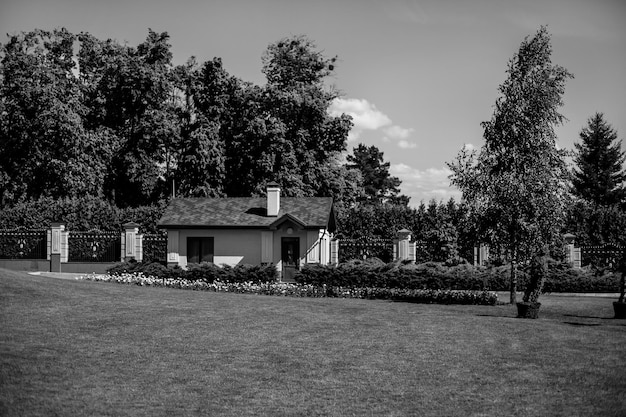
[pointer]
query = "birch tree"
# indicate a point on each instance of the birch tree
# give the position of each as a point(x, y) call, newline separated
point(515, 186)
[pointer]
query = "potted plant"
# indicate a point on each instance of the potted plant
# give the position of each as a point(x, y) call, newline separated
point(529, 307)
point(619, 306)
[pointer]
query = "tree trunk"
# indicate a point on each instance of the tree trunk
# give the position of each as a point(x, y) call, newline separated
point(513, 298)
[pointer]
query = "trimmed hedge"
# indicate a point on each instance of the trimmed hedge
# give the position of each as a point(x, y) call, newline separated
point(79, 214)
point(438, 276)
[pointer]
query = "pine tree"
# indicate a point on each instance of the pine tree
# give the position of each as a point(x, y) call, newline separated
point(378, 184)
point(599, 177)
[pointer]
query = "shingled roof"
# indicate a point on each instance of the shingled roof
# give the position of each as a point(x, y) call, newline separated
point(247, 212)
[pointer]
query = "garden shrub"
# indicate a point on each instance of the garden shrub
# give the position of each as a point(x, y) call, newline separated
point(124, 267)
point(204, 271)
point(155, 269)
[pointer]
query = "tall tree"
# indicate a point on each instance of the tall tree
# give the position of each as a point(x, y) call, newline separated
point(600, 161)
point(296, 100)
point(516, 185)
point(45, 148)
point(200, 167)
point(378, 184)
point(279, 132)
point(128, 91)
point(206, 112)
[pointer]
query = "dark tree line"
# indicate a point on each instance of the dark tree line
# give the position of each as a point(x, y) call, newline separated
point(122, 123)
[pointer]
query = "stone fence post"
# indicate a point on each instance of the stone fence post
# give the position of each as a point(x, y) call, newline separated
point(132, 242)
point(403, 250)
point(481, 254)
point(57, 230)
point(334, 252)
point(572, 253)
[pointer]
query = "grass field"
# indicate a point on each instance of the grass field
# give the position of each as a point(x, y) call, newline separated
point(83, 348)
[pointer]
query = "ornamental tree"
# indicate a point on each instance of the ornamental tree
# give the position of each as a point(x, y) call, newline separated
point(516, 185)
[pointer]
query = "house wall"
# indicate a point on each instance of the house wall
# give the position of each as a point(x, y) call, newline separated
point(231, 247)
point(248, 246)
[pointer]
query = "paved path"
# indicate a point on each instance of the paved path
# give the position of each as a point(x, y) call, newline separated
point(60, 275)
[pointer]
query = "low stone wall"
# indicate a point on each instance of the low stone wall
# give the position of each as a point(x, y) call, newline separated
point(86, 267)
point(30, 265)
point(43, 265)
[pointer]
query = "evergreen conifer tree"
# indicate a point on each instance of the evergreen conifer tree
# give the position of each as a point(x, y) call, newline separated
point(599, 177)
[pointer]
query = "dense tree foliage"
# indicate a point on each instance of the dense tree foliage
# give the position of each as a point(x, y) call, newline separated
point(122, 123)
point(443, 228)
point(45, 147)
point(600, 175)
point(127, 94)
point(594, 224)
point(516, 186)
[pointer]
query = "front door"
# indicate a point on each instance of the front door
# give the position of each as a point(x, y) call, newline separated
point(290, 257)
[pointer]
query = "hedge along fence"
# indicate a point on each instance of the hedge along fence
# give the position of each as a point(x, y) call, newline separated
point(437, 276)
point(79, 214)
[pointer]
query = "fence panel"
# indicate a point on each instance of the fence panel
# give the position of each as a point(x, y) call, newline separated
point(604, 256)
point(23, 244)
point(94, 247)
point(365, 248)
point(155, 247)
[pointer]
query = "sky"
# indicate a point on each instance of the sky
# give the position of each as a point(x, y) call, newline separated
point(418, 76)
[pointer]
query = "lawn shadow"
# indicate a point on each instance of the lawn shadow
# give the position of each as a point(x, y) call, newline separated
point(588, 317)
point(503, 316)
point(574, 323)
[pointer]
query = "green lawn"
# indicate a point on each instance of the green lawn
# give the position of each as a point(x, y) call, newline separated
point(85, 348)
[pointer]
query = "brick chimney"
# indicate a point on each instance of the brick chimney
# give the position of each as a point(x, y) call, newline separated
point(273, 199)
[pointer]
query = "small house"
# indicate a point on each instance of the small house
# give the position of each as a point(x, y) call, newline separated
point(285, 231)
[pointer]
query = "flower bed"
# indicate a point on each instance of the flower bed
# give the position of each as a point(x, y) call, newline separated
point(302, 290)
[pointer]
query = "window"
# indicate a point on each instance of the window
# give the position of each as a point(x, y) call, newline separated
point(199, 249)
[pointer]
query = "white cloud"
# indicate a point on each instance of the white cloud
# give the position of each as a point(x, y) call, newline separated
point(406, 144)
point(469, 147)
point(365, 115)
point(397, 132)
point(424, 185)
